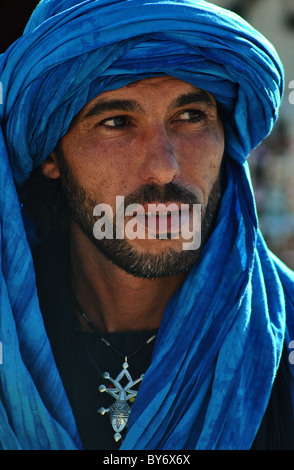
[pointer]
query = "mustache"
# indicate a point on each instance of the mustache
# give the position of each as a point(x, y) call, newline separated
point(170, 192)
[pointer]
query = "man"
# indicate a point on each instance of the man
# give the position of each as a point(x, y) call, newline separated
point(156, 103)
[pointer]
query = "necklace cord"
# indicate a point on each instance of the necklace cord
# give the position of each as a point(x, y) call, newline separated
point(104, 340)
point(120, 410)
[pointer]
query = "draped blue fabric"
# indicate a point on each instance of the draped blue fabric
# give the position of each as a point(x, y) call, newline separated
point(220, 341)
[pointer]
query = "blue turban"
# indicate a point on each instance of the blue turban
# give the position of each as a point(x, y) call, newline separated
point(222, 333)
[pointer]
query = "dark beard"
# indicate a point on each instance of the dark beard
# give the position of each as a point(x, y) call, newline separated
point(119, 251)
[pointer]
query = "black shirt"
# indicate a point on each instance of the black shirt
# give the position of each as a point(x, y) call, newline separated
point(82, 358)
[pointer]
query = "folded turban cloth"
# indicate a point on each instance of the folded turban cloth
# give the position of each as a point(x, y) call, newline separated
point(221, 337)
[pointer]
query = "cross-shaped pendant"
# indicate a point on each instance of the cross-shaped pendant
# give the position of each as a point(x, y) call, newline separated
point(120, 410)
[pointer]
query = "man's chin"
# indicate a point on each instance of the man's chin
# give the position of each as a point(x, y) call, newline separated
point(155, 263)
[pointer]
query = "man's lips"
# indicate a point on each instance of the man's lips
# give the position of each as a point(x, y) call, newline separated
point(159, 208)
point(162, 218)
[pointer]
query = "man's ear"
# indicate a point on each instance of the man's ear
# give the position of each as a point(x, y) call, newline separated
point(50, 166)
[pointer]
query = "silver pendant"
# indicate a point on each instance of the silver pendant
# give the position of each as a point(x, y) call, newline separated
point(120, 410)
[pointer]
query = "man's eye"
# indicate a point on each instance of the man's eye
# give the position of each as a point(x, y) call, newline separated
point(191, 115)
point(116, 122)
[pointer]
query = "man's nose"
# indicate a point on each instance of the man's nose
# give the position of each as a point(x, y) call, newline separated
point(160, 164)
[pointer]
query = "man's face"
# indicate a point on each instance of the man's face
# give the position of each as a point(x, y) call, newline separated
point(158, 140)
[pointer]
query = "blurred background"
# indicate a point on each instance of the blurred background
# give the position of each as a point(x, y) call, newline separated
point(272, 163)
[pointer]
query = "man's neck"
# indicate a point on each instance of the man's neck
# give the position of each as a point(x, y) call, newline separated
point(114, 300)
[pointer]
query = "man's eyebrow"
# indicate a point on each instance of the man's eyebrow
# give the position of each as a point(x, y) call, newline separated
point(102, 106)
point(113, 105)
point(200, 96)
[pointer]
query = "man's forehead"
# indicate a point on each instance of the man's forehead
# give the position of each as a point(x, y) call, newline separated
point(177, 93)
point(155, 81)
